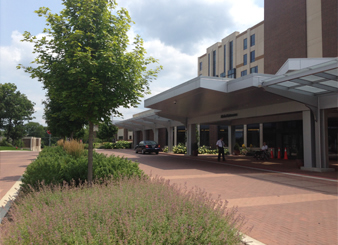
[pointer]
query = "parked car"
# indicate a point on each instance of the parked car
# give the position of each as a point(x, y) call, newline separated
point(147, 146)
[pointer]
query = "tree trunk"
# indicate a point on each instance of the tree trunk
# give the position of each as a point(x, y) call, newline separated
point(90, 153)
point(72, 136)
point(9, 130)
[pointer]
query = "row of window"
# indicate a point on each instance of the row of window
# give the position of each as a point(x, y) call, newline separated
point(252, 70)
point(231, 51)
point(252, 58)
point(252, 41)
point(232, 73)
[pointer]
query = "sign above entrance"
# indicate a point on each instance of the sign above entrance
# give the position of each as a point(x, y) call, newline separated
point(229, 115)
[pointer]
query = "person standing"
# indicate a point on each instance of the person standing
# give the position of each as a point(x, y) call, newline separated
point(220, 144)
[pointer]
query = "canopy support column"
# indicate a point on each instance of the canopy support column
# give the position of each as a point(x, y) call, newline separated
point(315, 142)
point(231, 138)
point(170, 139)
point(191, 139)
point(245, 134)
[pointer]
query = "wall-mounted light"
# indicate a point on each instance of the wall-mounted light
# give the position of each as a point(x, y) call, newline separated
point(175, 102)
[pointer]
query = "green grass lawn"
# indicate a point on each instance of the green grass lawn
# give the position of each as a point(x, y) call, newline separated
point(9, 148)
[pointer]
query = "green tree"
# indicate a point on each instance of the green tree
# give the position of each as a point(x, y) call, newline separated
point(15, 110)
point(35, 129)
point(60, 122)
point(107, 131)
point(87, 63)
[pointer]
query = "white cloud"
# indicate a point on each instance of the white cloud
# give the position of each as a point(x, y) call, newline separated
point(10, 57)
point(178, 67)
point(184, 24)
point(174, 32)
point(245, 13)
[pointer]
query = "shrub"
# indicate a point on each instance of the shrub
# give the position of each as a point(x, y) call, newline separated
point(166, 149)
point(73, 147)
point(118, 145)
point(122, 144)
point(134, 211)
point(107, 145)
point(18, 143)
point(226, 151)
point(207, 150)
point(54, 166)
point(180, 149)
point(4, 142)
point(244, 151)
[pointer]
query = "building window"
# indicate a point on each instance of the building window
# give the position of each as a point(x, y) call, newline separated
point(214, 63)
point(208, 64)
point(245, 43)
point(252, 40)
point(252, 56)
point(243, 73)
point(245, 59)
point(232, 73)
point(254, 69)
point(231, 53)
point(201, 66)
point(225, 55)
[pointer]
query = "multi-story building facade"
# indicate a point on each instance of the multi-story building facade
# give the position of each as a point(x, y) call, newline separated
point(299, 29)
point(291, 104)
point(237, 55)
point(291, 29)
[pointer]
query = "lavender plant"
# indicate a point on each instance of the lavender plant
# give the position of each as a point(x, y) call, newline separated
point(134, 211)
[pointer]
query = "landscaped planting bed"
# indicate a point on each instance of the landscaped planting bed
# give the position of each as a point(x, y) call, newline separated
point(122, 206)
point(128, 211)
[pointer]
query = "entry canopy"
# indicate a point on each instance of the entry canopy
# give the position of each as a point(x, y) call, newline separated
point(147, 120)
point(203, 96)
point(316, 86)
point(313, 81)
point(304, 81)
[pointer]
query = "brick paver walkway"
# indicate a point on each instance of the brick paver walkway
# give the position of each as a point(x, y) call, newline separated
point(282, 208)
point(12, 165)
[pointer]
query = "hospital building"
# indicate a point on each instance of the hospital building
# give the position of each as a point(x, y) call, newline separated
point(276, 82)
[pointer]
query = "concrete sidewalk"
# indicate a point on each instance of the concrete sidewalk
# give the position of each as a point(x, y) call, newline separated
point(290, 207)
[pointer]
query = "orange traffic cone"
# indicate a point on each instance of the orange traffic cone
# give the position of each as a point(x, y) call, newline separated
point(285, 154)
point(271, 154)
point(279, 157)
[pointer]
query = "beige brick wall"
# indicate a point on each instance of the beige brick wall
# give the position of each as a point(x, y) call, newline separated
point(314, 29)
point(204, 60)
point(237, 39)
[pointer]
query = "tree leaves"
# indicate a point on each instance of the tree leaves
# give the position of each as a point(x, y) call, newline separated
point(15, 108)
point(85, 61)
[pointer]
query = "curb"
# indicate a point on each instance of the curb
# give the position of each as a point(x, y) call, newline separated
point(6, 201)
point(251, 241)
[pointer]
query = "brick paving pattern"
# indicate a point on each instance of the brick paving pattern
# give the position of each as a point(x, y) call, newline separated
point(12, 166)
point(282, 209)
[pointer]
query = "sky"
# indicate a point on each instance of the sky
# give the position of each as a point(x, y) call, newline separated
point(175, 32)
